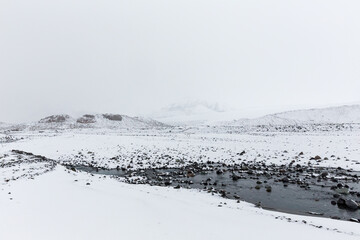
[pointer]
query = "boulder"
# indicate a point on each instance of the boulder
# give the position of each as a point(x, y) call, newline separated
point(351, 204)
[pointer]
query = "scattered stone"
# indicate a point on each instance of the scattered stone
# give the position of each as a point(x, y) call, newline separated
point(258, 204)
point(235, 177)
point(324, 174)
point(316, 213)
point(354, 220)
point(285, 180)
point(219, 172)
point(336, 195)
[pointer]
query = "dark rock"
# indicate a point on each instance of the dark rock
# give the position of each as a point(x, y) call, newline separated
point(222, 193)
point(324, 174)
point(235, 177)
point(219, 171)
point(167, 183)
point(113, 117)
point(250, 172)
point(341, 202)
point(55, 119)
point(86, 119)
point(315, 213)
point(354, 220)
point(285, 180)
point(351, 204)
point(347, 203)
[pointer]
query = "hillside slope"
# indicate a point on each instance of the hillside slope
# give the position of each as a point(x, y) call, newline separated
point(335, 115)
point(96, 121)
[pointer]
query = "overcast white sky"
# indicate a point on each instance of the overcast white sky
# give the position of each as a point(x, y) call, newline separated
point(137, 56)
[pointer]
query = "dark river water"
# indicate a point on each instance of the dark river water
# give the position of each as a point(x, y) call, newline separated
point(306, 196)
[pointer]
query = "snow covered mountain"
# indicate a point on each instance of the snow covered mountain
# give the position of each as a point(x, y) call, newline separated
point(342, 114)
point(335, 115)
point(202, 113)
point(195, 114)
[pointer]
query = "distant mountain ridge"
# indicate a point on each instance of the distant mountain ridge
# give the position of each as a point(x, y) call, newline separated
point(342, 114)
point(201, 113)
point(197, 114)
point(336, 115)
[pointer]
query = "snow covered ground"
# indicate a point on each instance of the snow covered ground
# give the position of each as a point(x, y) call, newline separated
point(60, 205)
point(41, 199)
point(160, 148)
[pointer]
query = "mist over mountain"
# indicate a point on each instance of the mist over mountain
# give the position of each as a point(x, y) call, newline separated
point(199, 113)
point(191, 113)
point(202, 113)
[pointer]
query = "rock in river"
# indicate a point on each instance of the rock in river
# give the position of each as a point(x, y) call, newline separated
point(351, 204)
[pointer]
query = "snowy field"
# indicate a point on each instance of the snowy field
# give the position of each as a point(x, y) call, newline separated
point(160, 148)
point(59, 205)
point(40, 201)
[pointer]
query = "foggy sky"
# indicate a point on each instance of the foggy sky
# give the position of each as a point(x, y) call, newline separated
point(137, 56)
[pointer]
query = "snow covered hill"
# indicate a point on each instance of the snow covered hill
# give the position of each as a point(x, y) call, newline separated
point(201, 113)
point(97, 121)
point(4, 126)
point(342, 114)
point(331, 115)
point(197, 114)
